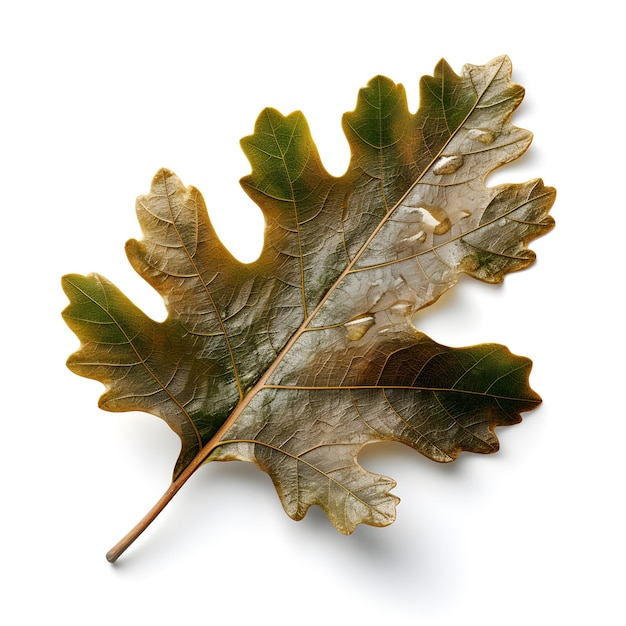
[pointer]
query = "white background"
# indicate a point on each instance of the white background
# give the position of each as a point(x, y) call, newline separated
point(95, 98)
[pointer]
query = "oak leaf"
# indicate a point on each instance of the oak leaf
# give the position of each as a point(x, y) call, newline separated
point(299, 359)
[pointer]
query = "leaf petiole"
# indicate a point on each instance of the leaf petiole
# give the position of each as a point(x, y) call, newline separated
point(121, 546)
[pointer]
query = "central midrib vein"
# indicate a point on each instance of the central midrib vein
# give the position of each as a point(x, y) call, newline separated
point(262, 382)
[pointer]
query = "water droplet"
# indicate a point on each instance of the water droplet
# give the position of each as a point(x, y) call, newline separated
point(419, 237)
point(448, 164)
point(480, 134)
point(428, 219)
point(358, 327)
point(443, 227)
point(400, 309)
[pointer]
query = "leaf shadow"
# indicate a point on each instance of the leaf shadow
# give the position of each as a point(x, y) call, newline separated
point(408, 560)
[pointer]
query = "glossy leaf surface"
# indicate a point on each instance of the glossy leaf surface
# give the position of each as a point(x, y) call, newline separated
point(298, 360)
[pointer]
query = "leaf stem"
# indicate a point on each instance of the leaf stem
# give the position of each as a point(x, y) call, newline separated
point(121, 546)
